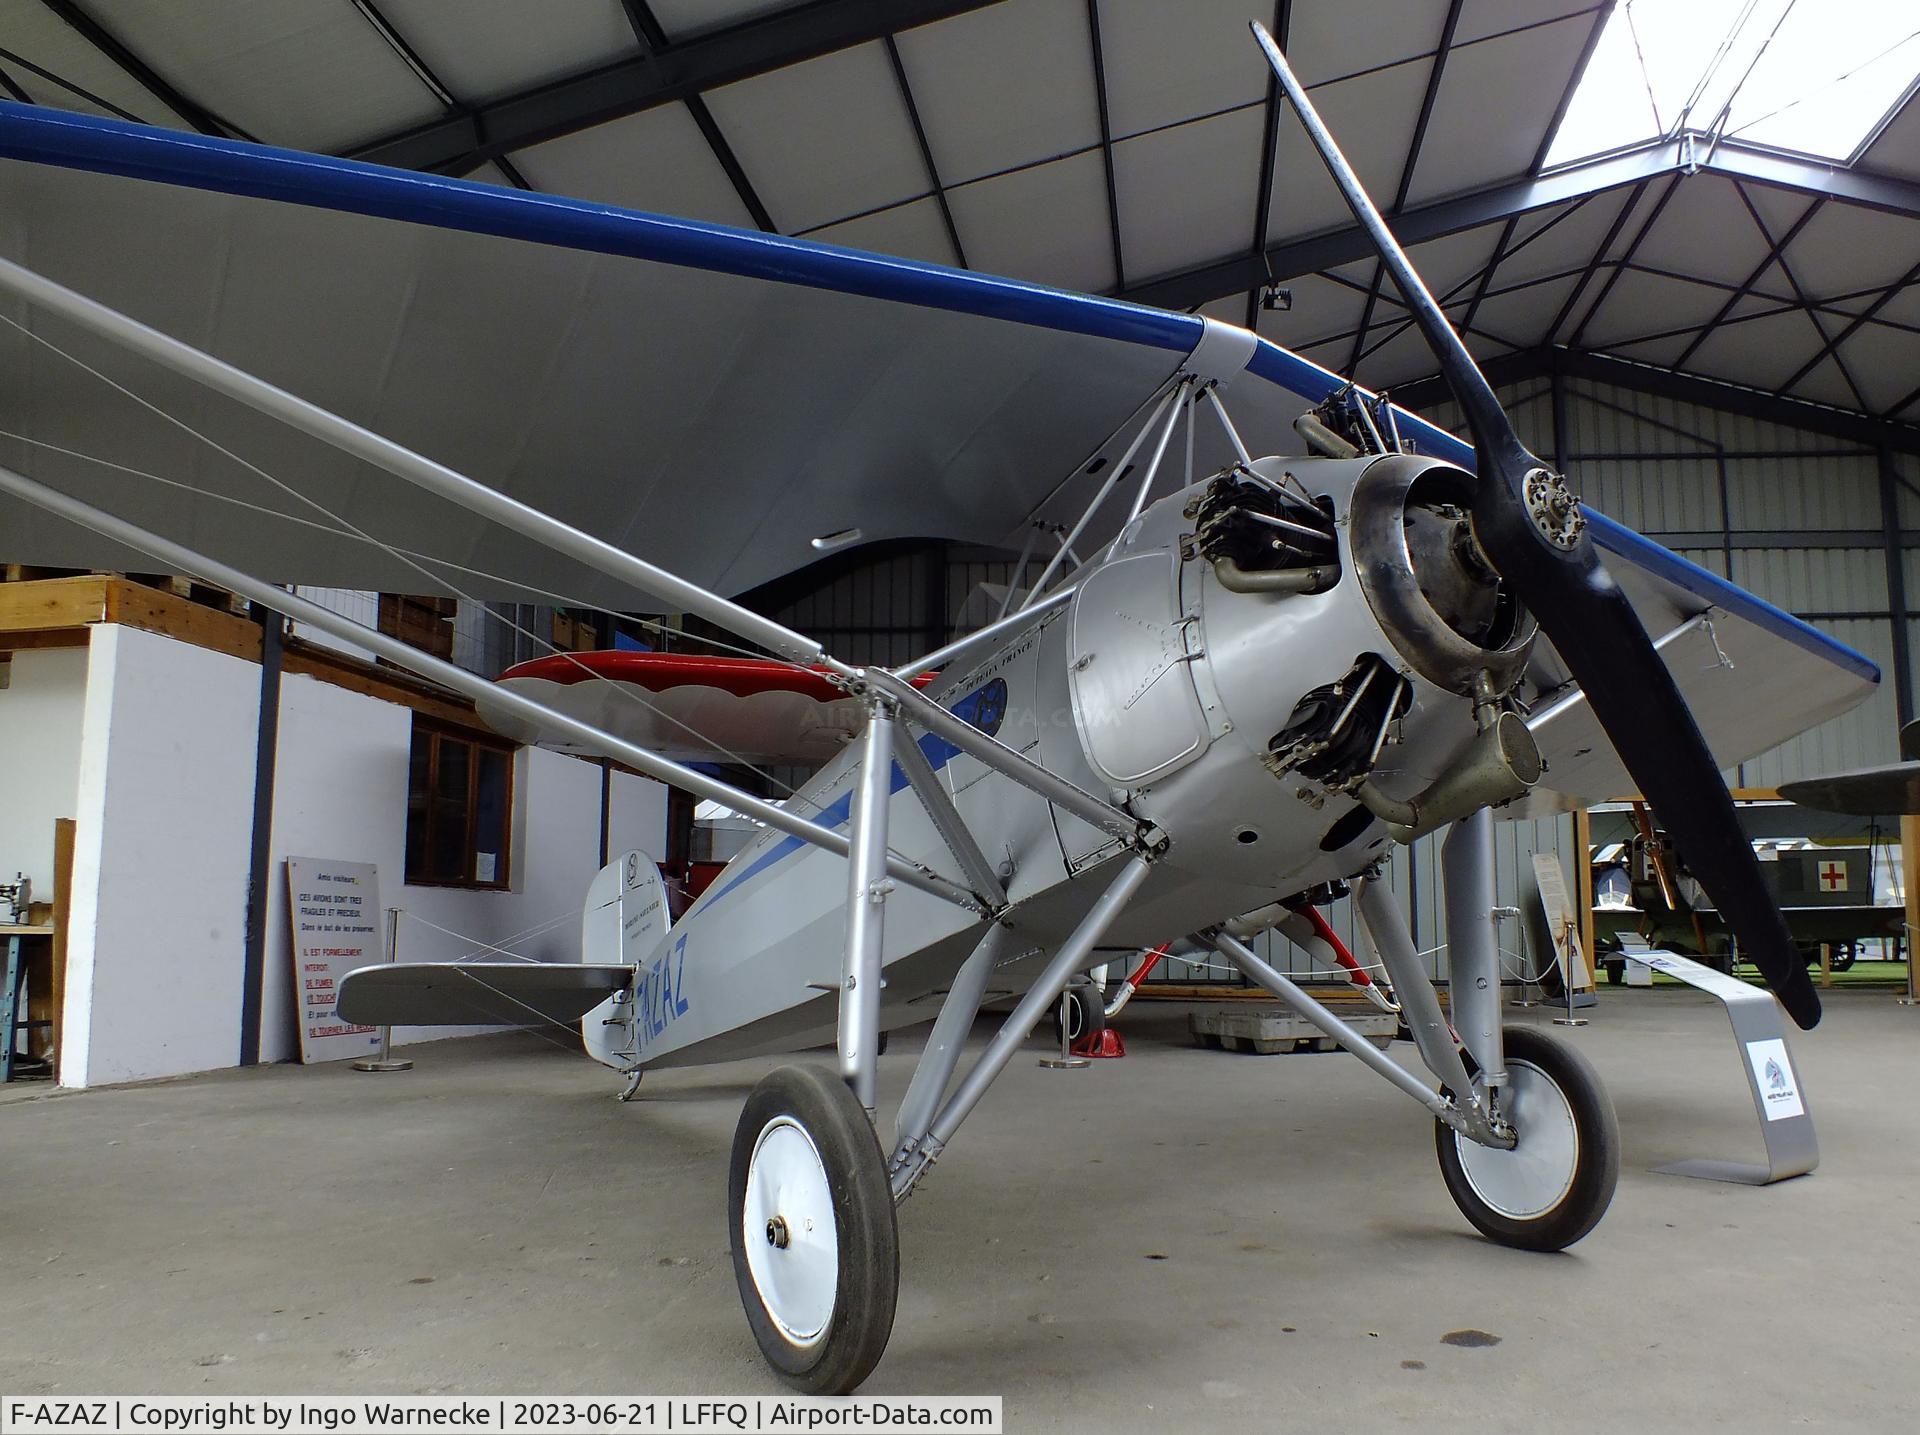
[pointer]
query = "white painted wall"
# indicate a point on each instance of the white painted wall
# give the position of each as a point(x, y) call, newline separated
point(149, 744)
point(341, 792)
point(638, 817)
point(40, 714)
point(165, 809)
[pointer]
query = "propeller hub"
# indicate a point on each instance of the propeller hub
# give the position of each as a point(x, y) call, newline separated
point(1439, 603)
point(1554, 508)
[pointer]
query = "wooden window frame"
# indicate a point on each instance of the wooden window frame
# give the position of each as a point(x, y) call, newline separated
point(438, 734)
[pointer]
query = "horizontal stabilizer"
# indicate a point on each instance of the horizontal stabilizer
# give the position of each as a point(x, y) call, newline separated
point(1870, 792)
point(476, 993)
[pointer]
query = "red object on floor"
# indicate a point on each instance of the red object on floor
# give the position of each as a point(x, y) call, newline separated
point(1104, 1042)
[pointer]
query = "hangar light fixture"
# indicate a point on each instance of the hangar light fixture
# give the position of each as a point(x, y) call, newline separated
point(1814, 77)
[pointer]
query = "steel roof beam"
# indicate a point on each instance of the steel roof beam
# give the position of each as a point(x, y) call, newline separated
point(1236, 273)
point(1282, 29)
point(1427, 99)
point(1106, 141)
point(110, 45)
point(458, 142)
point(1543, 362)
point(926, 152)
point(1500, 248)
point(648, 30)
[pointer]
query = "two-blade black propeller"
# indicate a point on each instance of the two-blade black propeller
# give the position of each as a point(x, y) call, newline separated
point(1529, 524)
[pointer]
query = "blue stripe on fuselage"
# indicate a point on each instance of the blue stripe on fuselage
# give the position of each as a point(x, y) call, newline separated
point(939, 752)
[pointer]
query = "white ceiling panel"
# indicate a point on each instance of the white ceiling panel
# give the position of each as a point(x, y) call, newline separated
point(1360, 271)
point(1523, 315)
point(1762, 353)
point(1047, 224)
point(911, 231)
point(1407, 357)
point(1665, 352)
point(1902, 308)
point(482, 49)
point(32, 31)
point(1330, 38)
point(1781, 208)
point(656, 160)
point(823, 141)
point(1373, 118)
point(312, 74)
point(1321, 309)
point(1167, 63)
point(1454, 260)
point(1187, 194)
point(1886, 362)
point(1705, 230)
point(490, 173)
point(1570, 244)
point(1004, 86)
point(1481, 18)
point(684, 18)
point(1450, 266)
point(1897, 149)
point(1845, 247)
point(1826, 385)
point(1642, 304)
point(1496, 99)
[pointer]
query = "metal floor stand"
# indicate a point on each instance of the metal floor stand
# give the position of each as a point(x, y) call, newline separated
point(1786, 1125)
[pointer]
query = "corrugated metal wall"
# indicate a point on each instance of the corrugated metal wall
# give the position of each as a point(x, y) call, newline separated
point(1798, 518)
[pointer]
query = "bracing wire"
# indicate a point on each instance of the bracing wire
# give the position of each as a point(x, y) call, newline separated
point(345, 528)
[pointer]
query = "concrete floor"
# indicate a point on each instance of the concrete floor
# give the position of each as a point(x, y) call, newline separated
point(1183, 1236)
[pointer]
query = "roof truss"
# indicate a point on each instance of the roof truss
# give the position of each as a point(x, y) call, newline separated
point(460, 142)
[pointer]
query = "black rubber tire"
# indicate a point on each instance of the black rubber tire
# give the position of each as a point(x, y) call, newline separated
point(1086, 1014)
point(868, 1236)
point(1616, 973)
point(1596, 1164)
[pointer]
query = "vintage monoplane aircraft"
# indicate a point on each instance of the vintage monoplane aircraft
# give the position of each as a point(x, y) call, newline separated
point(1260, 674)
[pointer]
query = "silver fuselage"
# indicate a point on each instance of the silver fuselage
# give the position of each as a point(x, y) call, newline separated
point(1155, 686)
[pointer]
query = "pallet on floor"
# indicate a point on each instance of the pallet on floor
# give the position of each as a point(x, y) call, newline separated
point(1269, 1031)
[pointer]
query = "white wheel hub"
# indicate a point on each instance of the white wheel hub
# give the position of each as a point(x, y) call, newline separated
point(1536, 1175)
point(793, 1248)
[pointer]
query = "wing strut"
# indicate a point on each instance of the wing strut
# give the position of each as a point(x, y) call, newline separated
point(471, 685)
point(875, 684)
point(403, 463)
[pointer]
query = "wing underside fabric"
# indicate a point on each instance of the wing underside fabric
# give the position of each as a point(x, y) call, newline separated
point(710, 399)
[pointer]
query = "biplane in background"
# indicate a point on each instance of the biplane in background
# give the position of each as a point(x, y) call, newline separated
point(1242, 679)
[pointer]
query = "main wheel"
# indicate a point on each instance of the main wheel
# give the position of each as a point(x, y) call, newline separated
point(1086, 1014)
point(1556, 1182)
point(816, 1251)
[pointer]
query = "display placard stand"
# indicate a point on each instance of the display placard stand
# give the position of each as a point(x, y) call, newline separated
point(386, 1061)
point(1553, 927)
point(1786, 1125)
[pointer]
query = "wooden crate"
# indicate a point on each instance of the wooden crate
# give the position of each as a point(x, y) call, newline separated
point(574, 634)
point(205, 594)
point(418, 622)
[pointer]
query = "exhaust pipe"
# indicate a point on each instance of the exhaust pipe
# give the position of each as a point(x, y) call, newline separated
point(1501, 763)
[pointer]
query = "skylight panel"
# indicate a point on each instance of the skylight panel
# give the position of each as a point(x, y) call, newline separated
point(1812, 76)
point(1826, 82)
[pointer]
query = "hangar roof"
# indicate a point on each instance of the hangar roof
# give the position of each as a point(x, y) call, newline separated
point(1129, 147)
